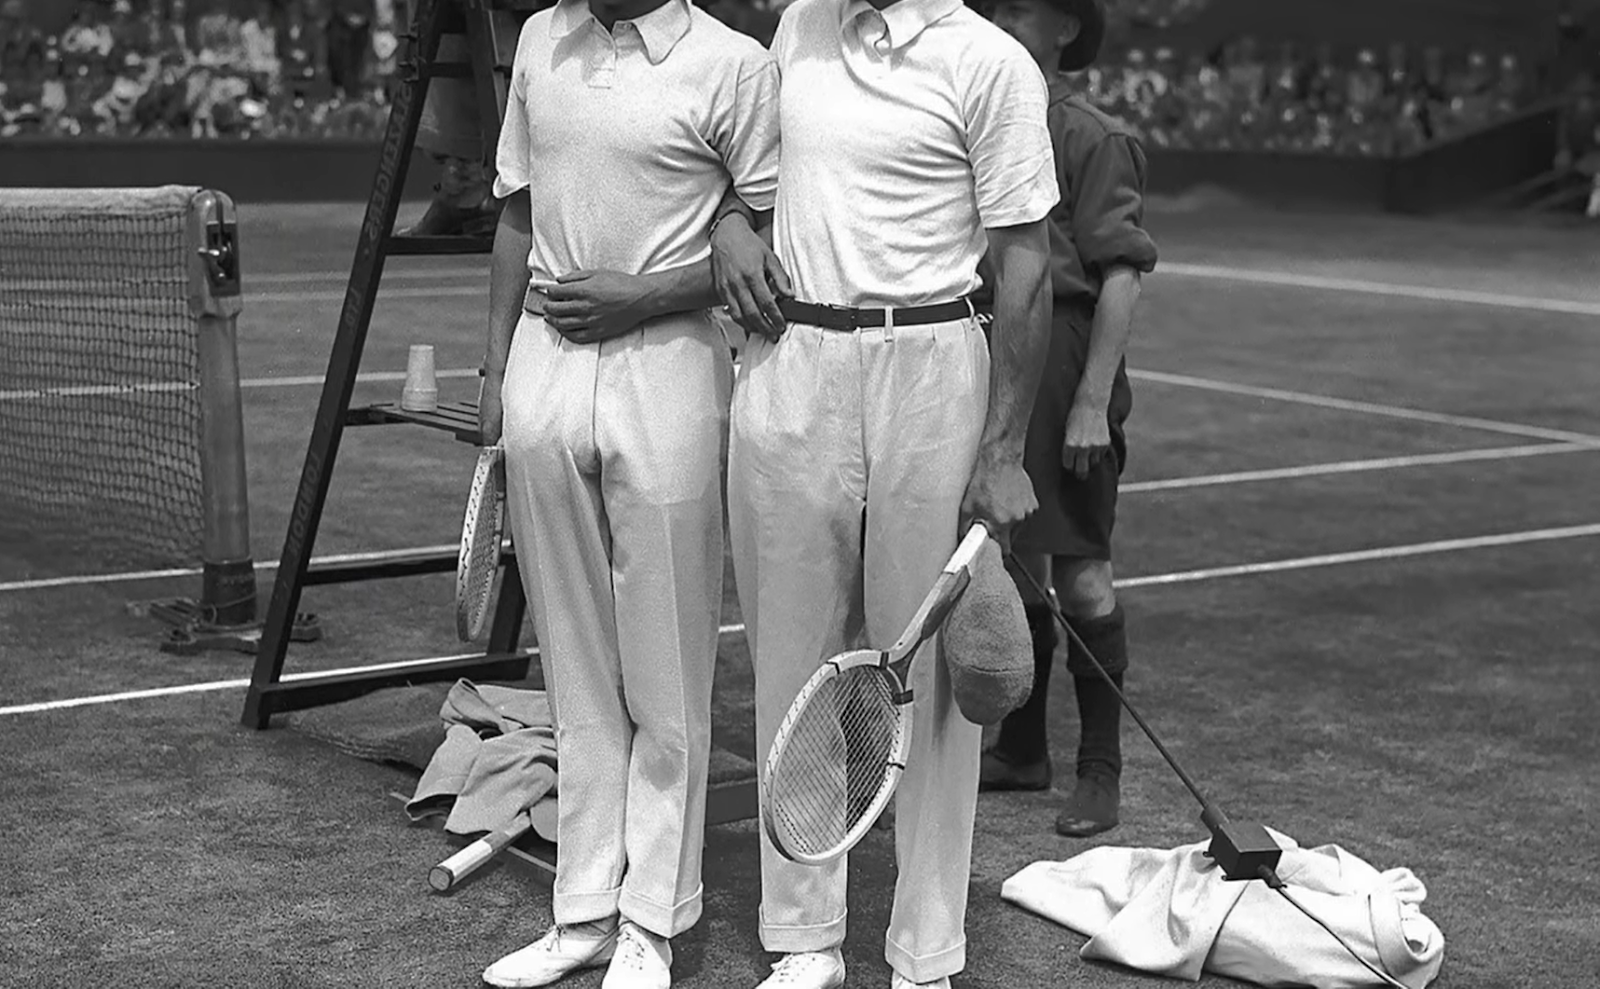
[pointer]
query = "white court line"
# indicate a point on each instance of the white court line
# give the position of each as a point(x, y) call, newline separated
point(434, 292)
point(1362, 556)
point(366, 377)
point(1369, 408)
point(1361, 466)
point(1426, 293)
point(1212, 272)
point(443, 272)
point(1169, 484)
point(242, 682)
point(1154, 580)
point(157, 387)
point(46, 583)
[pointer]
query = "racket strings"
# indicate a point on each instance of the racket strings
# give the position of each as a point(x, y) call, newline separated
point(479, 565)
point(836, 760)
point(484, 557)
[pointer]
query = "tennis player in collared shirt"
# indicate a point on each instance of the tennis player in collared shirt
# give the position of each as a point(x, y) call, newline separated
point(628, 122)
point(914, 137)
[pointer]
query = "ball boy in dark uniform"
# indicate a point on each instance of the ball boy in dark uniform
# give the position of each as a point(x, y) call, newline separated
point(1075, 447)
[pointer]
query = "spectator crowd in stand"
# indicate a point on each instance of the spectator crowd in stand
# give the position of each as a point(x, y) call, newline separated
point(224, 68)
point(1292, 100)
point(319, 68)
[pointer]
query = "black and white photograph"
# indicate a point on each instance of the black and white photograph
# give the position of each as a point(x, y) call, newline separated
point(800, 494)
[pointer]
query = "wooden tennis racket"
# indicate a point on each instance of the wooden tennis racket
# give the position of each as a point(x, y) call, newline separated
point(840, 751)
point(478, 564)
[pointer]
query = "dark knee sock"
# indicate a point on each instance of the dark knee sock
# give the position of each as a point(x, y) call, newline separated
point(1099, 710)
point(1024, 736)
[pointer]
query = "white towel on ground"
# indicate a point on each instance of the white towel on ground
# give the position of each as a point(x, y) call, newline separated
point(1169, 911)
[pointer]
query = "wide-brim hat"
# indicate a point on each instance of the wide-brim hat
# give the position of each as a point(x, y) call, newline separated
point(1085, 48)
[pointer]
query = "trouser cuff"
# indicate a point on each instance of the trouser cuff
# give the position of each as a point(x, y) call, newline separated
point(584, 908)
point(792, 939)
point(926, 968)
point(660, 919)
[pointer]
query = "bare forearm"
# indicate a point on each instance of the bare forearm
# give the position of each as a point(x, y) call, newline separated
point(677, 290)
point(1019, 342)
point(1108, 336)
point(690, 286)
point(508, 280)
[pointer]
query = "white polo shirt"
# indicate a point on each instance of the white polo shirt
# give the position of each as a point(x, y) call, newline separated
point(626, 139)
point(906, 132)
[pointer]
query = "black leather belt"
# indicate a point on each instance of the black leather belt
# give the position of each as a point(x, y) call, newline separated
point(847, 319)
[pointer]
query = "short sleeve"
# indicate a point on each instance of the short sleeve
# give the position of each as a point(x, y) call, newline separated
point(1008, 141)
point(1108, 207)
point(746, 131)
point(512, 170)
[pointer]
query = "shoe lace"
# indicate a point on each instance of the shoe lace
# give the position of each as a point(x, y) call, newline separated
point(630, 948)
point(559, 931)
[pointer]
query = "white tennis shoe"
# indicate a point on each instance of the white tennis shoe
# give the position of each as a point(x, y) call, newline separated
point(642, 960)
point(807, 970)
point(562, 951)
point(901, 982)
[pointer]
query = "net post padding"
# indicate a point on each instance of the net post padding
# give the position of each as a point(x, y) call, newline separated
point(228, 587)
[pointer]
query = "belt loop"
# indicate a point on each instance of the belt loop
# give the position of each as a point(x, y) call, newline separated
point(972, 310)
point(888, 324)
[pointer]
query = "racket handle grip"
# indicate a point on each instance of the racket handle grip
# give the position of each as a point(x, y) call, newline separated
point(976, 536)
point(947, 590)
point(464, 863)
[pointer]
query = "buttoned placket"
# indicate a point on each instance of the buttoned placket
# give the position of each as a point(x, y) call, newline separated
point(603, 63)
point(872, 25)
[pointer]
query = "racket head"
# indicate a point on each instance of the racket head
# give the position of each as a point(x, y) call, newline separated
point(836, 759)
point(478, 562)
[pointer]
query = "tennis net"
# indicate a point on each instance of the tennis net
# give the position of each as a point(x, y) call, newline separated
point(100, 406)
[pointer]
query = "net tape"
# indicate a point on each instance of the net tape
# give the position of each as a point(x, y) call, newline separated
point(99, 377)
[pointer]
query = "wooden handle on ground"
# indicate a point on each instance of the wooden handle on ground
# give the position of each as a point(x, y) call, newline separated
point(462, 864)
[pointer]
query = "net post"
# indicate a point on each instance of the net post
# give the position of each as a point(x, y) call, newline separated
point(228, 584)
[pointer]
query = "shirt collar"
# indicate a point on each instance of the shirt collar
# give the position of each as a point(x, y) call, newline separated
point(906, 18)
point(660, 30)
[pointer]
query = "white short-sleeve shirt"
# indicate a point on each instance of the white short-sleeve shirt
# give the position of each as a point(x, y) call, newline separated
point(627, 139)
point(906, 133)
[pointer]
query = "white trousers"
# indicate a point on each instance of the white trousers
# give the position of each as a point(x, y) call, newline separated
point(849, 456)
point(614, 458)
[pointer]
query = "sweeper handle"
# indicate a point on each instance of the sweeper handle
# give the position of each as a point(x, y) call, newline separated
point(1241, 850)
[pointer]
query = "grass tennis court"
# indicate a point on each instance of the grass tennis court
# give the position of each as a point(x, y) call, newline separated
point(1360, 546)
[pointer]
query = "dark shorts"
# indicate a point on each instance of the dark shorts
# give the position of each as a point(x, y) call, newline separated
point(1075, 517)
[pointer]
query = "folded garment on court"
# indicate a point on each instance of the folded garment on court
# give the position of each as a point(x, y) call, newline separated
point(1170, 912)
point(497, 760)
